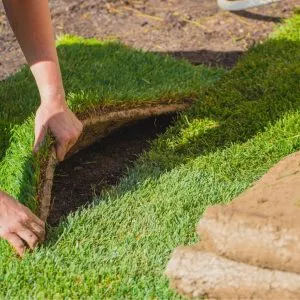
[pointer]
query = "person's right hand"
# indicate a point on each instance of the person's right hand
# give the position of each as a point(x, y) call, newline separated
point(56, 117)
point(18, 225)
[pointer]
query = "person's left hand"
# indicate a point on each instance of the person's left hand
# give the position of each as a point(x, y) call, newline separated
point(63, 124)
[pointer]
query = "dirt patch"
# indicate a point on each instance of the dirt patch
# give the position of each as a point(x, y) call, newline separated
point(86, 173)
point(96, 127)
point(196, 30)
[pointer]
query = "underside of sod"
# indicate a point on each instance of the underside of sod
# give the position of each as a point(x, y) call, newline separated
point(250, 247)
point(96, 126)
point(108, 85)
point(240, 124)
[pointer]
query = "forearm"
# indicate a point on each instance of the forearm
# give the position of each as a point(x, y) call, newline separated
point(31, 23)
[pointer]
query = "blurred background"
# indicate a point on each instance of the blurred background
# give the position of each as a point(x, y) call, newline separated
point(197, 30)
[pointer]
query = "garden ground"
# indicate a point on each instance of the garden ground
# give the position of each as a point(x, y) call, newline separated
point(195, 29)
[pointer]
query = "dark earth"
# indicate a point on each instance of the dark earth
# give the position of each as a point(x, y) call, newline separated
point(196, 30)
point(91, 171)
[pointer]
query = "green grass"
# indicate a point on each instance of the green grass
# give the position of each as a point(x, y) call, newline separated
point(96, 74)
point(118, 248)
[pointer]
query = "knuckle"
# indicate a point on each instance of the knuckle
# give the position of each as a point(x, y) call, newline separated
point(23, 218)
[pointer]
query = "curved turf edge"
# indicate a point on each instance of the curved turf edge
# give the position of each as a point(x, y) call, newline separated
point(100, 77)
point(96, 127)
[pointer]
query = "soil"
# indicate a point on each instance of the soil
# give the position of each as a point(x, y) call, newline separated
point(90, 171)
point(195, 29)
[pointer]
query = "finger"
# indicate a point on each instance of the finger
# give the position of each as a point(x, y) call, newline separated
point(16, 242)
point(38, 230)
point(61, 150)
point(71, 144)
point(38, 221)
point(28, 237)
point(32, 218)
point(40, 133)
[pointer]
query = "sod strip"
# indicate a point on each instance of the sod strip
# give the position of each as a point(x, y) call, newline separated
point(100, 78)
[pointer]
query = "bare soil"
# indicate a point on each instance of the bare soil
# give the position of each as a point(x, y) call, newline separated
point(91, 171)
point(195, 29)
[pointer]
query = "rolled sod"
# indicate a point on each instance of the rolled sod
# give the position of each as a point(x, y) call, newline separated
point(196, 273)
point(261, 226)
point(250, 247)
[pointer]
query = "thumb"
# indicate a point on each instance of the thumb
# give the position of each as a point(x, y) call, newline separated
point(61, 150)
point(40, 133)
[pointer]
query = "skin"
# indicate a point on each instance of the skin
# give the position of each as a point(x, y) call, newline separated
point(31, 23)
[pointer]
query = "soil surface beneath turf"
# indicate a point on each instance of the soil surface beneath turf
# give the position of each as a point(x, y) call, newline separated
point(195, 29)
point(90, 171)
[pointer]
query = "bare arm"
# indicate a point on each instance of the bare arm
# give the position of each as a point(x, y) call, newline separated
point(31, 23)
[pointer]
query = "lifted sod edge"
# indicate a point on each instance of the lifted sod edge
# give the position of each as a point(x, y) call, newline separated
point(97, 126)
point(99, 77)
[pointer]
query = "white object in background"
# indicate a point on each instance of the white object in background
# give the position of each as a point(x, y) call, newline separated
point(242, 4)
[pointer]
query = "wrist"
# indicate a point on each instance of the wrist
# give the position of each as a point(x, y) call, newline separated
point(53, 95)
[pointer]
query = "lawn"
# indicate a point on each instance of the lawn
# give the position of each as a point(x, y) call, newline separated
point(238, 127)
point(97, 75)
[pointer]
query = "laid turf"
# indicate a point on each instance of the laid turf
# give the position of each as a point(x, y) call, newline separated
point(119, 247)
point(96, 74)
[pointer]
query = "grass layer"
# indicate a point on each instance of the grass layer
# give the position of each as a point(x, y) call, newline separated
point(97, 75)
point(119, 247)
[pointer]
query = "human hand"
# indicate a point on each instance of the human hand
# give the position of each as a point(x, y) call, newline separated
point(63, 124)
point(18, 225)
